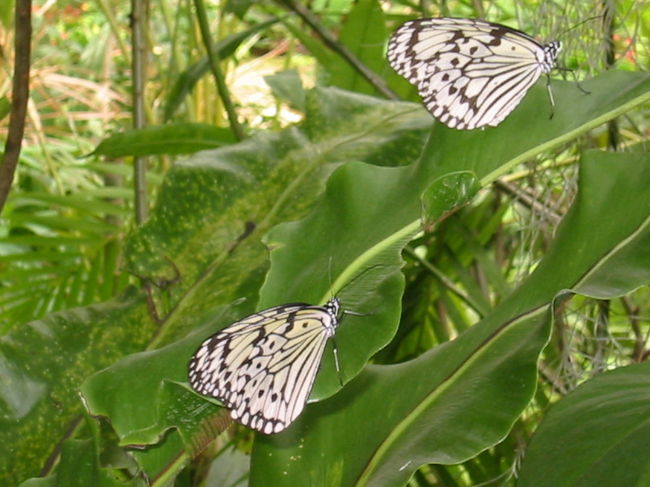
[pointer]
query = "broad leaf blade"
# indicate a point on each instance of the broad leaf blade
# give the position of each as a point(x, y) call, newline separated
point(463, 396)
point(195, 229)
point(596, 435)
point(44, 362)
point(491, 152)
point(200, 226)
point(173, 138)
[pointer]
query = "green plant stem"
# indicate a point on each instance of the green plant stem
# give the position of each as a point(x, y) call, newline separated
point(19, 97)
point(529, 201)
point(446, 281)
point(107, 9)
point(138, 17)
point(610, 60)
point(216, 70)
point(310, 19)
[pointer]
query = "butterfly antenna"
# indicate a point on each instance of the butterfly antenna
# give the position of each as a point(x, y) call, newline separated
point(367, 269)
point(329, 272)
point(573, 73)
point(588, 19)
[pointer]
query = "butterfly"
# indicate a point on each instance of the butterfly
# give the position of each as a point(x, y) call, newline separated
point(470, 73)
point(263, 366)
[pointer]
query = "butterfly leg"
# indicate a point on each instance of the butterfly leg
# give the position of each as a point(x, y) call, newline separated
point(575, 78)
point(550, 96)
point(336, 361)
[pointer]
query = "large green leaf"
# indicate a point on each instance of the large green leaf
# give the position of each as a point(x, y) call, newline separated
point(530, 130)
point(42, 365)
point(337, 240)
point(172, 138)
point(596, 435)
point(462, 397)
point(233, 196)
point(198, 228)
point(202, 256)
point(80, 466)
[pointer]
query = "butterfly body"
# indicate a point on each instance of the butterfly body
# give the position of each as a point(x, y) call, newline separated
point(470, 73)
point(263, 366)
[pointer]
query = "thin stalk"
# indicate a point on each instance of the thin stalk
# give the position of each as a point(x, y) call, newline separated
point(601, 336)
point(138, 21)
point(116, 28)
point(330, 41)
point(528, 201)
point(632, 311)
point(610, 59)
point(19, 97)
point(213, 59)
point(171, 21)
point(445, 281)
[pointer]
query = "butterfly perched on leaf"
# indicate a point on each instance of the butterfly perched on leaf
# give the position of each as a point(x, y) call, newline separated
point(263, 366)
point(470, 73)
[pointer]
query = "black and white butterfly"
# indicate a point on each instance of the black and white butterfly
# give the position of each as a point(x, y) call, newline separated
point(263, 366)
point(470, 73)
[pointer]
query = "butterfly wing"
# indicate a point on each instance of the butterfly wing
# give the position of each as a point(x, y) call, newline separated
point(469, 73)
point(263, 366)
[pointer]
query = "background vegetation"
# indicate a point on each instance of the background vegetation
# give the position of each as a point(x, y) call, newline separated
point(505, 331)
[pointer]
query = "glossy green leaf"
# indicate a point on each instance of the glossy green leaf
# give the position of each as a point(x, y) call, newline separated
point(494, 151)
point(596, 435)
point(195, 228)
point(361, 262)
point(175, 138)
point(463, 396)
point(200, 255)
point(79, 466)
point(42, 365)
point(287, 86)
point(456, 190)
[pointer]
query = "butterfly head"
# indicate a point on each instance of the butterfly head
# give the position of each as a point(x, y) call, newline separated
point(333, 306)
point(551, 50)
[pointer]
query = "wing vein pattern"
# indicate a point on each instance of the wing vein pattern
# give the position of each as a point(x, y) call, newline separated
point(263, 367)
point(470, 73)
